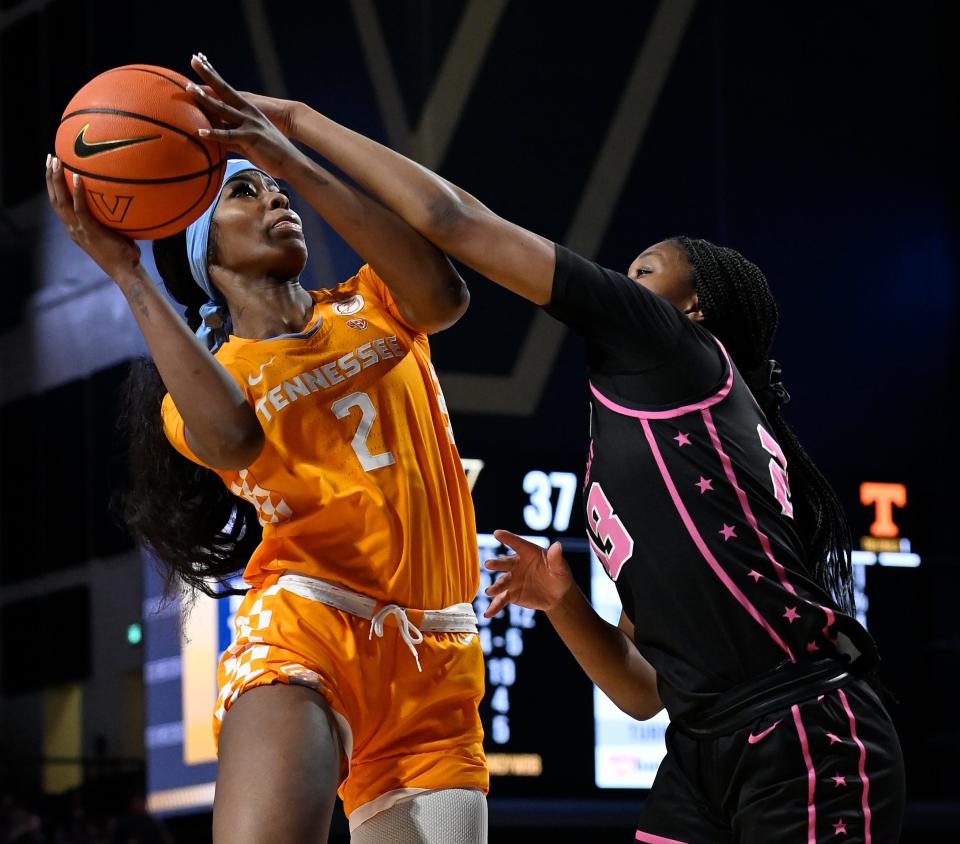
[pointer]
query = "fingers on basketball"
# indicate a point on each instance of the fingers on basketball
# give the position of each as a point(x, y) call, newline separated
point(80, 200)
point(59, 195)
point(214, 107)
point(228, 93)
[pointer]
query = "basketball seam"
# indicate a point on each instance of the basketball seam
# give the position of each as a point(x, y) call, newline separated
point(165, 181)
point(141, 68)
point(146, 119)
point(132, 231)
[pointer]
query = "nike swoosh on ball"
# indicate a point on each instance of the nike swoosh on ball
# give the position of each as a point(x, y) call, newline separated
point(84, 148)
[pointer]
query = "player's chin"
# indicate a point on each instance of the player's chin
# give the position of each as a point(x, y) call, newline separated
point(290, 248)
point(288, 260)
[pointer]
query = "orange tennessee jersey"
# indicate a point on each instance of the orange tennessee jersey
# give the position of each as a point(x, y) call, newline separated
point(359, 481)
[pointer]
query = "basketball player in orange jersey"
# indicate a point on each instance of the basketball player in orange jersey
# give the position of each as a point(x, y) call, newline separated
point(355, 662)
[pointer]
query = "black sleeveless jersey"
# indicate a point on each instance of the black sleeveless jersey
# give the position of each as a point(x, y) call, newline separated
point(687, 495)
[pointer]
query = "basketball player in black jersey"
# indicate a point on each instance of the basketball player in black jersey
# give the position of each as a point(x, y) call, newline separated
point(729, 549)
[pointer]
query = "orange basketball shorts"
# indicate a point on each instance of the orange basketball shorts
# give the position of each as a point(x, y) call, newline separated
point(401, 728)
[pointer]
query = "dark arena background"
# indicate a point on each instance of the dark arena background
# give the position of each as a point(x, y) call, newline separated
point(818, 138)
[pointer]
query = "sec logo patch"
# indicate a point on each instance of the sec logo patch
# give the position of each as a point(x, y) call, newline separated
point(359, 323)
point(349, 306)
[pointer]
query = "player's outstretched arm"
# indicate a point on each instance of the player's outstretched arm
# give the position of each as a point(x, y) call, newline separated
point(541, 580)
point(443, 213)
point(221, 427)
point(428, 291)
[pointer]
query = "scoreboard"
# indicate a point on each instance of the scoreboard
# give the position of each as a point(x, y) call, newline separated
point(549, 732)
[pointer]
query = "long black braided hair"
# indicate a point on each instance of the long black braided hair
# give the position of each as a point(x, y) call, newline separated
point(738, 308)
point(180, 511)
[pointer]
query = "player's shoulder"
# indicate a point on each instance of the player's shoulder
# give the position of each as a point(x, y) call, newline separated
point(570, 263)
point(360, 281)
point(250, 361)
point(364, 292)
point(346, 298)
point(235, 352)
point(337, 291)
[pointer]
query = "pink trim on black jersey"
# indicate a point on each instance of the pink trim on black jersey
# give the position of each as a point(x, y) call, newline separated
point(650, 838)
point(702, 546)
point(744, 502)
point(752, 519)
point(862, 767)
point(811, 776)
point(831, 617)
point(610, 404)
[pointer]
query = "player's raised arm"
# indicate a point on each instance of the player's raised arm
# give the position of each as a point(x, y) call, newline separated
point(429, 292)
point(224, 431)
point(443, 213)
point(541, 580)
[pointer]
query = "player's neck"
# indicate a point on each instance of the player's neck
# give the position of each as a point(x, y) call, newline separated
point(268, 309)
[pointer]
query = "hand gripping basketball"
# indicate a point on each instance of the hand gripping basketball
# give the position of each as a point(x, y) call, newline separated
point(245, 129)
point(113, 252)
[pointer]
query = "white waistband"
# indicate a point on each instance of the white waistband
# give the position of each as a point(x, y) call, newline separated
point(458, 618)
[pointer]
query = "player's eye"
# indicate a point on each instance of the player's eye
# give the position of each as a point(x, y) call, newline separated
point(643, 271)
point(243, 189)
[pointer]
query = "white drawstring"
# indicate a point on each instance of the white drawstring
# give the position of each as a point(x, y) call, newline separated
point(408, 630)
point(458, 619)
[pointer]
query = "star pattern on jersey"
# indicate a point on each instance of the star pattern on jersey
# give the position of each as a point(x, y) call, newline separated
point(838, 780)
point(834, 738)
point(840, 827)
point(728, 531)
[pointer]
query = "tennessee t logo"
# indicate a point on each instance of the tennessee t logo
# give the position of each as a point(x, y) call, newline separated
point(883, 497)
point(84, 148)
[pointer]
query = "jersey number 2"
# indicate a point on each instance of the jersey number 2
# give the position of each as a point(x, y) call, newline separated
point(368, 413)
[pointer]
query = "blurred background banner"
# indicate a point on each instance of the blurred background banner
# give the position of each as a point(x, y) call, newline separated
point(819, 139)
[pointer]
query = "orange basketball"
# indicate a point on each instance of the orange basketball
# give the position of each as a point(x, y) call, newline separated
point(131, 133)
